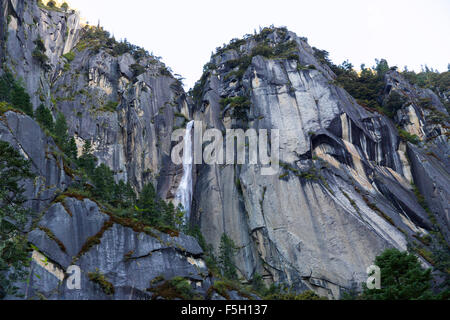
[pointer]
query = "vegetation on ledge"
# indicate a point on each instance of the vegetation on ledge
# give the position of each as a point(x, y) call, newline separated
point(239, 106)
point(97, 38)
point(14, 94)
point(51, 6)
point(176, 288)
point(406, 136)
point(101, 280)
point(39, 54)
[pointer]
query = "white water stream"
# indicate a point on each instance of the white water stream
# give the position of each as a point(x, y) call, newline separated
point(184, 191)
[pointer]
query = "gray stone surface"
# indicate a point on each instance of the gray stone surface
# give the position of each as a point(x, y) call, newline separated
point(26, 136)
point(326, 227)
point(127, 259)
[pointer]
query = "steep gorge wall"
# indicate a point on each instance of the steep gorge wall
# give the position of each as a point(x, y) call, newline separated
point(344, 191)
point(128, 117)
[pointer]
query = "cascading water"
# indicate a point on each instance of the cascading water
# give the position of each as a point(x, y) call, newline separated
point(184, 192)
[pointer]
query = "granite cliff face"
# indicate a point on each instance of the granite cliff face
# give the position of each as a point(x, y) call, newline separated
point(126, 107)
point(347, 188)
point(344, 193)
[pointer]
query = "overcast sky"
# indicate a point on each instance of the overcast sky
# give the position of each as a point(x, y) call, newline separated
point(185, 32)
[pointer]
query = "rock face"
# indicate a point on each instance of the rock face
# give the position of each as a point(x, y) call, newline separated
point(128, 260)
point(344, 191)
point(342, 195)
point(128, 117)
point(25, 135)
point(23, 23)
point(426, 116)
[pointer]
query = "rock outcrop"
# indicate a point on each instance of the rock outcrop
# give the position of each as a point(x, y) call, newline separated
point(127, 259)
point(127, 107)
point(344, 192)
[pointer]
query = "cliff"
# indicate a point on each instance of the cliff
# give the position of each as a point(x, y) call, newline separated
point(345, 191)
point(124, 102)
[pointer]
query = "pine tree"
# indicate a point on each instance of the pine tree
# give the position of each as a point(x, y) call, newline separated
point(170, 216)
point(51, 4)
point(227, 251)
point(104, 184)
point(44, 117)
point(394, 103)
point(87, 161)
point(67, 145)
point(382, 67)
point(402, 278)
point(71, 149)
point(13, 245)
point(6, 81)
point(21, 100)
point(61, 128)
point(147, 205)
point(124, 195)
point(11, 91)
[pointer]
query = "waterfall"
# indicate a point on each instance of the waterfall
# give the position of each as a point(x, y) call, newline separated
point(184, 192)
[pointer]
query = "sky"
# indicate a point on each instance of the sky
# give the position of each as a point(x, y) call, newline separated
point(184, 33)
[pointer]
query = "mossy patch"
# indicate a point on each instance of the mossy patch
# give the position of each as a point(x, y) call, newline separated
point(156, 280)
point(5, 107)
point(139, 226)
point(176, 288)
point(52, 236)
point(101, 280)
point(61, 199)
point(424, 239)
point(70, 56)
point(94, 240)
point(377, 210)
point(224, 286)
